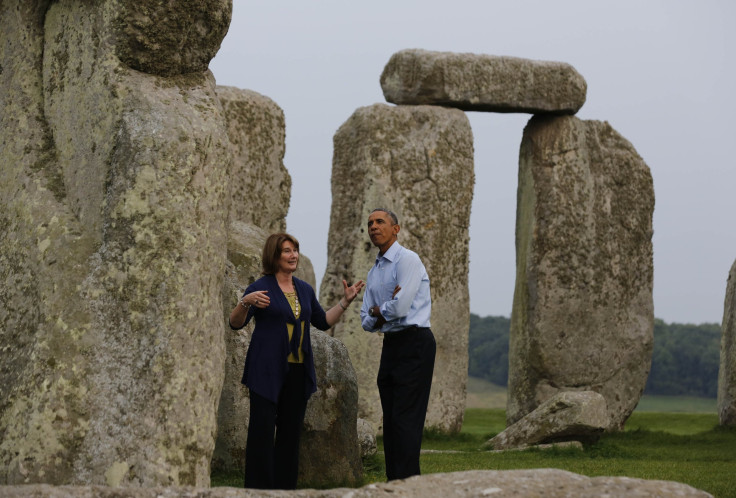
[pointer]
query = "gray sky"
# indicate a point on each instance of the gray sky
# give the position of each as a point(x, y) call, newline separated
point(661, 72)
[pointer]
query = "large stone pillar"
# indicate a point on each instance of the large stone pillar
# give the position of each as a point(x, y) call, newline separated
point(260, 192)
point(582, 317)
point(114, 157)
point(727, 371)
point(418, 162)
point(260, 186)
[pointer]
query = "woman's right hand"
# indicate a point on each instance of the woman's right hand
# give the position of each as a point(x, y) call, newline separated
point(259, 299)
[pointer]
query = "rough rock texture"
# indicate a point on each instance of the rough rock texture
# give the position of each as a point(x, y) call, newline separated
point(483, 82)
point(502, 483)
point(366, 438)
point(565, 416)
point(727, 371)
point(167, 38)
point(582, 318)
point(260, 192)
point(112, 210)
point(329, 453)
point(417, 161)
point(257, 130)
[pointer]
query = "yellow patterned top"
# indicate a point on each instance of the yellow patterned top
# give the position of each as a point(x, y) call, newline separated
point(294, 303)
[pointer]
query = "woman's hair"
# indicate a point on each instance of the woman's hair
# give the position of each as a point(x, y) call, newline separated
point(272, 251)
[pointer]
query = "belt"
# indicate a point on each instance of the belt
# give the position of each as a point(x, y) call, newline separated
point(402, 332)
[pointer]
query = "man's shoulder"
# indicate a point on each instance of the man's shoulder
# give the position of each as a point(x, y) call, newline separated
point(404, 252)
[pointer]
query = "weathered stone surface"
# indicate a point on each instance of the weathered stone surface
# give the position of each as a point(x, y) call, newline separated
point(582, 318)
point(168, 38)
point(257, 130)
point(113, 218)
point(490, 83)
point(727, 371)
point(535, 482)
point(366, 438)
point(565, 416)
point(329, 453)
point(417, 161)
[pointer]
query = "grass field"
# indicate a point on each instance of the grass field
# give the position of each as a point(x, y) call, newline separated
point(483, 394)
point(666, 438)
point(684, 447)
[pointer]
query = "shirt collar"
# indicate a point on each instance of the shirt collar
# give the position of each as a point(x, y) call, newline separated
point(391, 253)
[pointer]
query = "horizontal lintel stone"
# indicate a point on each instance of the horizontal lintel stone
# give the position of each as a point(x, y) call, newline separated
point(487, 83)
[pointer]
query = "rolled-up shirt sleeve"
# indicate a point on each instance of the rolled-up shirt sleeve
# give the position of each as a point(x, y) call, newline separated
point(368, 322)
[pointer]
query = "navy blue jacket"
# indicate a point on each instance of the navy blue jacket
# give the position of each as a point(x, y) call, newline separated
point(266, 362)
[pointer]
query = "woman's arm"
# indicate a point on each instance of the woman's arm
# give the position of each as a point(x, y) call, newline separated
point(239, 314)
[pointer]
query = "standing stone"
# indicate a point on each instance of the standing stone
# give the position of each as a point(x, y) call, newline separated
point(260, 191)
point(727, 372)
point(243, 267)
point(257, 131)
point(582, 317)
point(483, 82)
point(113, 217)
point(329, 452)
point(418, 162)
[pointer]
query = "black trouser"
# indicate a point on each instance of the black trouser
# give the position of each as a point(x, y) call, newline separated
point(404, 382)
point(273, 464)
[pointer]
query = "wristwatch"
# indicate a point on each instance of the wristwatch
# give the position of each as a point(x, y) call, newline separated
point(370, 311)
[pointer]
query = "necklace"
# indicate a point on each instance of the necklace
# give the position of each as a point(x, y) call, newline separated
point(296, 308)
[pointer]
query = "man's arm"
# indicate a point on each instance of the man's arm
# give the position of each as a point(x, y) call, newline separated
point(409, 273)
point(377, 318)
point(368, 322)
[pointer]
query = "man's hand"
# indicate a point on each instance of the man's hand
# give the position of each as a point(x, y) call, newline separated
point(380, 320)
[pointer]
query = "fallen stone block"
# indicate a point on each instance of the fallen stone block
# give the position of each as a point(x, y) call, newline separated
point(567, 415)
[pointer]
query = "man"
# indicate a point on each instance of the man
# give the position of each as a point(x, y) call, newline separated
point(397, 302)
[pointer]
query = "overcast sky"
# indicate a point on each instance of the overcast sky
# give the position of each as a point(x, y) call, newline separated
point(660, 72)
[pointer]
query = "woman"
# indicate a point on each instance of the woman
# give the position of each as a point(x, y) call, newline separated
point(279, 367)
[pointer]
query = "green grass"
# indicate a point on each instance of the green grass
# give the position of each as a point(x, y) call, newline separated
point(661, 442)
point(683, 447)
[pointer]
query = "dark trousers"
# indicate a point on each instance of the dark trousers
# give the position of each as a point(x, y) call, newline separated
point(269, 463)
point(404, 382)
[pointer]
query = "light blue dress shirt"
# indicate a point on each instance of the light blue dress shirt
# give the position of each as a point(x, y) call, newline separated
point(412, 305)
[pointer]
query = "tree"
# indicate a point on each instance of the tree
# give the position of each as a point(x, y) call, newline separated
point(685, 358)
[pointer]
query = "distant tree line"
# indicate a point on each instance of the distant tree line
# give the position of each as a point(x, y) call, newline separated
point(685, 358)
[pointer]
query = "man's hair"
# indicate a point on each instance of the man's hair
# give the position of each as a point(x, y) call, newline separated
point(272, 251)
point(391, 214)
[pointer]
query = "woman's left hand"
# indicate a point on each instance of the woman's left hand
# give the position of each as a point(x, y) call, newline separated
point(352, 291)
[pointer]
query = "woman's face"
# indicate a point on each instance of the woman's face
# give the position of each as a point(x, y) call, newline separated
point(289, 258)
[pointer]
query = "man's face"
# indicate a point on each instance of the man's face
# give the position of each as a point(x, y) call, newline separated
point(381, 230)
